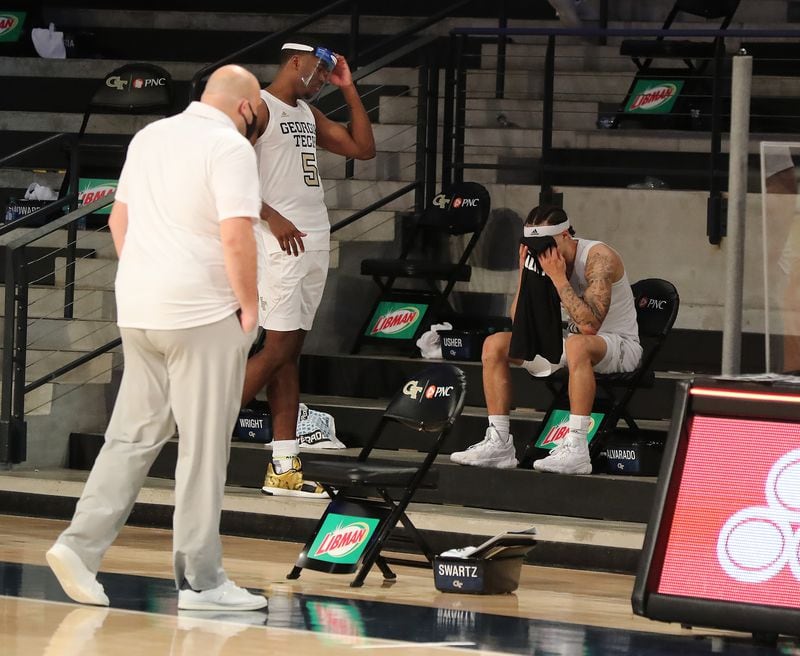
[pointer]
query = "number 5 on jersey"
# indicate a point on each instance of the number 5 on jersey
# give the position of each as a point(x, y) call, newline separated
point(310, 170)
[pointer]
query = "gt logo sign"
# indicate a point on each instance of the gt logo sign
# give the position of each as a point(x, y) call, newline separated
point(435, 392)
point(465, 202)
point(116, 82)
point(412, 389)
point(652, 303)
point(441, 201)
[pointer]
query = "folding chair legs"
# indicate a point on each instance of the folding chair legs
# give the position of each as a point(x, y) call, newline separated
point(416, 536)
point(383, 565)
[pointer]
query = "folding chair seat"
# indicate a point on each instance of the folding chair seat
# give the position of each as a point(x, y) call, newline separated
point(695, 54)
point(460, 210)
point(657, 302)
point(369, 497)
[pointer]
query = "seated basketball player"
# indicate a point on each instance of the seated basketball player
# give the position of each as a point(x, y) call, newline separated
point(589, 281)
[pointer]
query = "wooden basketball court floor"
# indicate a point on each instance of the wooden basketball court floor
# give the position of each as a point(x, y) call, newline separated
point(554, 612)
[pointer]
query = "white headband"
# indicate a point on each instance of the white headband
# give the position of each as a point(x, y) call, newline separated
point(297, 46)
point(545, 230)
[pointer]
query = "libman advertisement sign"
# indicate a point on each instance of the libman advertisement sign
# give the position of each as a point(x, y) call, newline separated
point(342, 538)
point(11, 25)
point(392, 320)
point(557, 428)
point(654, 96)
point(92, 189)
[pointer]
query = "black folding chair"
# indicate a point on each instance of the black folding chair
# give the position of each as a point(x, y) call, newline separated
point(354, 528)
point(695, 54)
point(461, 209)
point(676, 97)
point(657, 302)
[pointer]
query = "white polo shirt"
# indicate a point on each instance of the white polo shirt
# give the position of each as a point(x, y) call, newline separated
point(183, 175)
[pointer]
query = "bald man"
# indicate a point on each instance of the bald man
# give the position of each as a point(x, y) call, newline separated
point(183, 228)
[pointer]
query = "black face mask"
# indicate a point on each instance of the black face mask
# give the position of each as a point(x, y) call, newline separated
point(538, 245)
point(250, 126)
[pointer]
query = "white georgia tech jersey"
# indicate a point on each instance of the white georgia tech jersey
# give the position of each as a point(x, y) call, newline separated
point(289, 175)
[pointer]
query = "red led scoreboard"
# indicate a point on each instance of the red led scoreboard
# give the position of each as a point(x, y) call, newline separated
point(722, 547)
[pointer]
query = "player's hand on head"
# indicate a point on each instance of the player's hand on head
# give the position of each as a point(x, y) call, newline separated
point(341, 75)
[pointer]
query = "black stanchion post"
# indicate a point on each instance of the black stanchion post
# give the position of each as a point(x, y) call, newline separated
point(500, 73)
point(460, 109)
point(447, 123)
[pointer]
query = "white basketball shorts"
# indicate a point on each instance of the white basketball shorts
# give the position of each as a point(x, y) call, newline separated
point(623, 354)
point(290, 289)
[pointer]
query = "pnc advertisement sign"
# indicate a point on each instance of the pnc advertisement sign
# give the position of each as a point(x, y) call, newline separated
point(735, 532)
point(342, 538)
point(11, 25)
point(653, 96)
point(557, 427)
point(393, 320)
point(92, 189)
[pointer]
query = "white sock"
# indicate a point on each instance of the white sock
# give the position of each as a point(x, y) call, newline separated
point(501, 424)
point(578, 429)
point(282, 453)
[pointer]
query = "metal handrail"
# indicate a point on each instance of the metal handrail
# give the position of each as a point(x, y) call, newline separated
point(454, 124)
point(418, 27)
point(71, 198)
point(15, 325)
point(374, 206)
point(86, 357)
point(619, 31)
point(61, 136)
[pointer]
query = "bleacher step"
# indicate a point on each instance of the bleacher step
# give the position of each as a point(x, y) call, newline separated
point(599, 496)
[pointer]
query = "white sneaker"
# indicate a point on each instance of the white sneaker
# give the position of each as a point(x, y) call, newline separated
point(567, 458)
point(227, 596)
point(492, 451)
point(75, 578)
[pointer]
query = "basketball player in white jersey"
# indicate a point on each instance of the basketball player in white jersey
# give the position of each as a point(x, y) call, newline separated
point(602, 337)
point(294, 239)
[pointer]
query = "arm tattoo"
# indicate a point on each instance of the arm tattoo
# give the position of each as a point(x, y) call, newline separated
point(590, 310)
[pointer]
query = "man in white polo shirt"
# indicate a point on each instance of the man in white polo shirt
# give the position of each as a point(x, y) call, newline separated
point(187, 306)
point(294, 236)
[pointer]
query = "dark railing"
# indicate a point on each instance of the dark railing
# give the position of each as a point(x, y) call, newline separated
point(15, 336)
point(427, 112)
point(68, 201)
point(355, 56)
point(453, 160)
point(204, 72)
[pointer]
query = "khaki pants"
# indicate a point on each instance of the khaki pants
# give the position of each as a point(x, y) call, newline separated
point(193, 378)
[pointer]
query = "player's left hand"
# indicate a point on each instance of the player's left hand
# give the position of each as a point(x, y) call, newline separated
point(341, 75)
